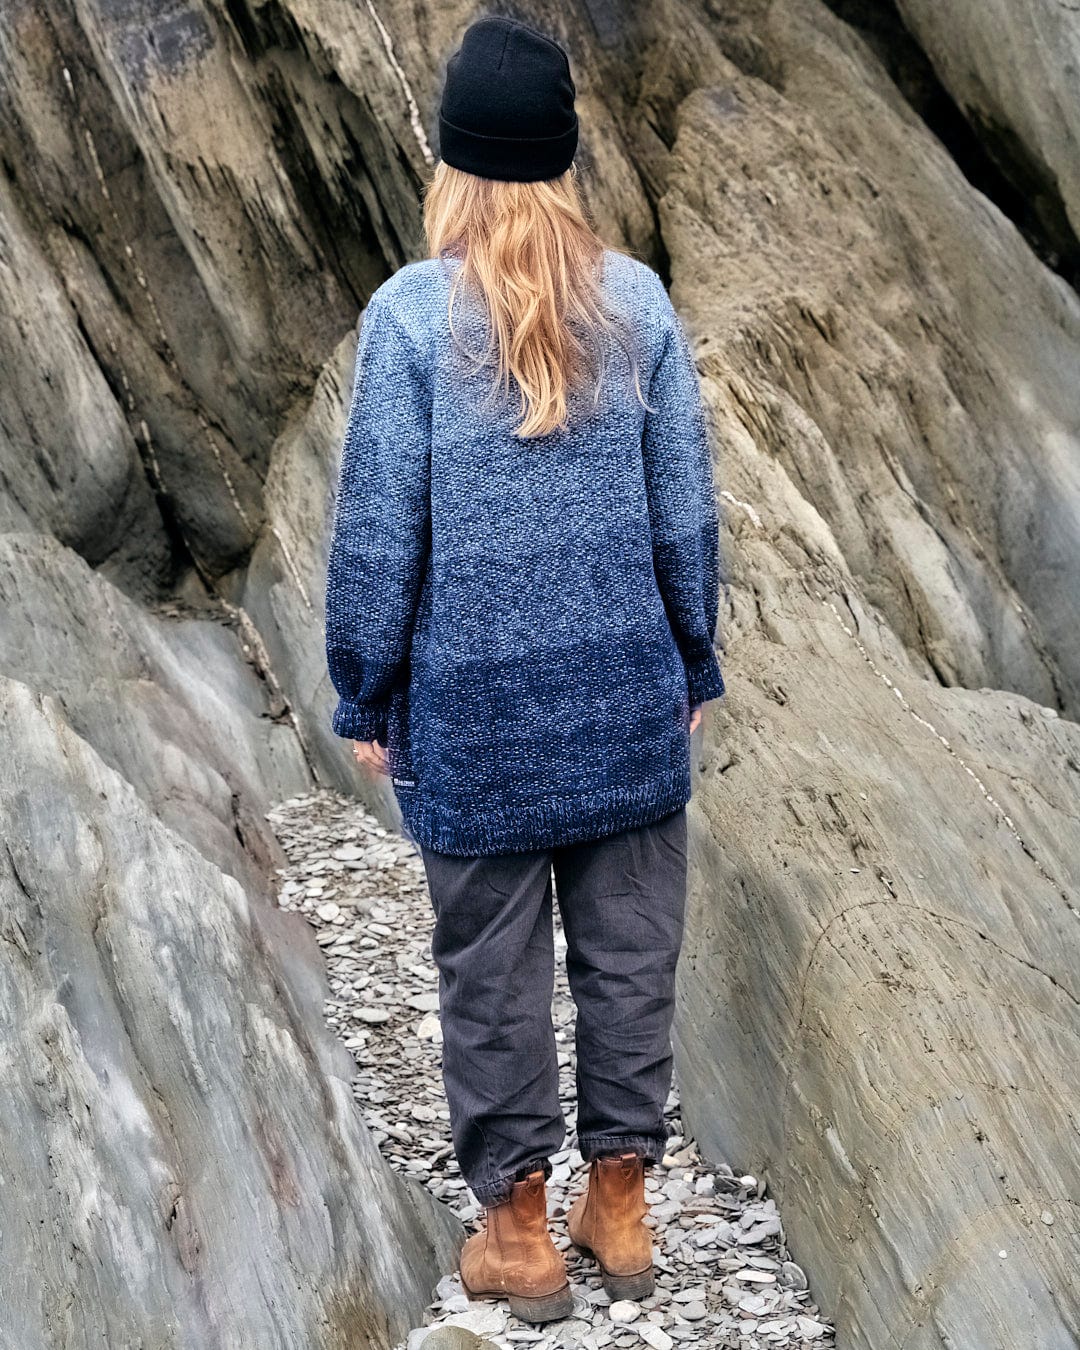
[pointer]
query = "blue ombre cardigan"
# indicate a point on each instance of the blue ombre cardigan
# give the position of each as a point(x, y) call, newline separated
point(524, 623)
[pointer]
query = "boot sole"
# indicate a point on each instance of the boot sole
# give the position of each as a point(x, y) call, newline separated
point(530, 1308)
point(639, 1285)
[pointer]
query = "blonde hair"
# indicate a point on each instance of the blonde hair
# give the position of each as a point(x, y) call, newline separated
point(530, 252)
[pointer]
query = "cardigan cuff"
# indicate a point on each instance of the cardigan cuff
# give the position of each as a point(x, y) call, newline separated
point(703, 680)
point(360, 721)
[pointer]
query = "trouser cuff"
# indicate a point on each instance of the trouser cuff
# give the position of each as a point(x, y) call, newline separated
point(496, 1190)
point(649, 1146)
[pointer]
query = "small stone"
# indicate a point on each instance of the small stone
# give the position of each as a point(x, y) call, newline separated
point(489, 1320)
point(624, 1311)
point(373, 1015)
point(452, 1337)
point(1047, 1217)
point(758, 1232)
point(693, 1312)
point(793, 1276)
point(656, 1337)
point(328, 911)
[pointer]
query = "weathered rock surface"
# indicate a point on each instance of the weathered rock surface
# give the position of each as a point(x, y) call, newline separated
point(183, 1164)
point(1013, 71)
point(860, 302)
point(284, 583)
point(170, 703)
point(878, 997)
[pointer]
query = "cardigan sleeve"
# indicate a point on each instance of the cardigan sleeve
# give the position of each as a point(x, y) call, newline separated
point(682, 507)
point(381, 529)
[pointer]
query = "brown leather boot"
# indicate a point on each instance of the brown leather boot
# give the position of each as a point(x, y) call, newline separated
point(606, 1222)
point(515, 1258)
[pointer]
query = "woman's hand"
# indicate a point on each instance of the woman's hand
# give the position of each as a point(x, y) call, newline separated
point(372, 755)
point(695, 718)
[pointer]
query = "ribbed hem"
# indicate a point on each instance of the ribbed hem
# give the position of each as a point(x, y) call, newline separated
point(520, 827)
point(360, 721)
point(704, 680)
point(522, 159)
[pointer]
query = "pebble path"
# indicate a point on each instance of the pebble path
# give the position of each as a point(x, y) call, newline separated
point(724, 1277)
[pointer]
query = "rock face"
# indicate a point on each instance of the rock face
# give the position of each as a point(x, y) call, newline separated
point(173, 1105)
point(1012, 69)
point(284, 583)
point(168, 702)
point(884, 936)
point(878, 995)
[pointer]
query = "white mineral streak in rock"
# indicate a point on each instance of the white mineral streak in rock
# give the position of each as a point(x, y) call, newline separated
point(414, 112)
point(744, 505)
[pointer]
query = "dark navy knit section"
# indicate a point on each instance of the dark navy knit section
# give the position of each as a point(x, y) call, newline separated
point(525, 623)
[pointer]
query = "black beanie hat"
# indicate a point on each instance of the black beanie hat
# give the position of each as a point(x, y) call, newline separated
point(508, 104)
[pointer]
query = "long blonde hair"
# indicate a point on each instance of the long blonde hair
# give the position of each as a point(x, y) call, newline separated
point(529, 250)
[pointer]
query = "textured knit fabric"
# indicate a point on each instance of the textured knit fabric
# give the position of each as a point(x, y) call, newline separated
point(525, 623)
point(507, 108)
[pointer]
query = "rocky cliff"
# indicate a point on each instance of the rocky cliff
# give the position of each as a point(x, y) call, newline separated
point(868, 219)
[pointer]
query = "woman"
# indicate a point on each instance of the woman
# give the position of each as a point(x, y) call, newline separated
point(521, 606)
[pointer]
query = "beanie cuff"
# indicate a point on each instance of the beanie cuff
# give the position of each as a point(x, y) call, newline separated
point(519, 159)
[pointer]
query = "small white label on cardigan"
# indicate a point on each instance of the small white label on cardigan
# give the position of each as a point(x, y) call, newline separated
point(404, 782)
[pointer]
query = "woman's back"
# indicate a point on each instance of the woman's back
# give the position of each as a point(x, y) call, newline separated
point(525, 622)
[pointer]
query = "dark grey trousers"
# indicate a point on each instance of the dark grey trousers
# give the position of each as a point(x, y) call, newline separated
point(622, 900)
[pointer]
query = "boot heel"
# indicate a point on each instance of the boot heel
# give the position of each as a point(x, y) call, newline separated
point(545, 1308)
point(632, 1287)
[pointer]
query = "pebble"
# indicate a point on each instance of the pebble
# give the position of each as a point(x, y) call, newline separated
point(487, 1319)
point(724, 1279)
point(624, 1311)
point(453, 1337)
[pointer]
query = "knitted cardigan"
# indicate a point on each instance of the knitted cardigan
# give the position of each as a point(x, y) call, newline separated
point(524, 623)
